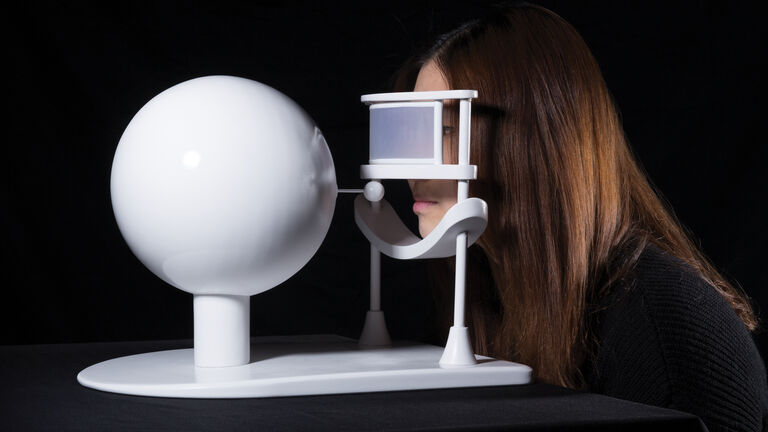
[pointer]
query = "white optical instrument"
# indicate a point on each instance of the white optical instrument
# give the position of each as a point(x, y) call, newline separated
point(224, 188)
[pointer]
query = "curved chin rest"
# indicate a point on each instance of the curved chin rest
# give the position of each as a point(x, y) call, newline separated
point(384, 229)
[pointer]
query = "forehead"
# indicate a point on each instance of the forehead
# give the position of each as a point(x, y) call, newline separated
point(430, 78)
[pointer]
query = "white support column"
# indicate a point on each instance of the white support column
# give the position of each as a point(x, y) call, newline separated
point(222, 330)
point(465, 116)
point(458, 350)
point(375, 279)
point(463, 193)
point(438, 133)
point(375, 331)
point(461, 280)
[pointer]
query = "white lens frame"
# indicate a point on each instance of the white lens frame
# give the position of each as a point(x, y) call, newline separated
point(405, 168)
point(437, 133)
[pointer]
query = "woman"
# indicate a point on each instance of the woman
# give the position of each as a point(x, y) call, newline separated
point(583, 273)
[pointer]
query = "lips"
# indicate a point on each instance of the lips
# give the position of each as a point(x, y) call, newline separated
point(421, 206)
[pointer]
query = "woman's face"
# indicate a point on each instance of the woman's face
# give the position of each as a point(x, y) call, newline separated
point(434, 197)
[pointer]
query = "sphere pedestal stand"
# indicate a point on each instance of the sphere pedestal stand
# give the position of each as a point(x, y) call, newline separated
point(222, 330)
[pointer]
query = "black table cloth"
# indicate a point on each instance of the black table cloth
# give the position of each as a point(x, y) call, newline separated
point(40, 392)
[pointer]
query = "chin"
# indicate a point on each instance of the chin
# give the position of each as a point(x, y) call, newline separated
point(425, 229)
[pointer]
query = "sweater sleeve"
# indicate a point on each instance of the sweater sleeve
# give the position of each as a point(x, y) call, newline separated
point(672, 340)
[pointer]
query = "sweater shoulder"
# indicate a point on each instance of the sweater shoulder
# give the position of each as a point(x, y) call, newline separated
point(671, 339)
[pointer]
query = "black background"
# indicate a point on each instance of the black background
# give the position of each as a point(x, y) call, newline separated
point(687, 77)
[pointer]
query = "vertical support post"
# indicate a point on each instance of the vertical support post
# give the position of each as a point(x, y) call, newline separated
point(438, 132)
point(222, 330)
point(463, 193)
point(465, 116)
point(461, 280)
point(375, 333)
point(458, 351)
point(375, 279)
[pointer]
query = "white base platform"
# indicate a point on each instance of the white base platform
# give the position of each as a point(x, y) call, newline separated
point(295, 366)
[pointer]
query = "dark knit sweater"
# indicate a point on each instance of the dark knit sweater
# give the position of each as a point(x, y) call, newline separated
point(669, 339)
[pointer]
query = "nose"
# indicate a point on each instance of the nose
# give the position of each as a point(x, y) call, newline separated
point(416, 184)
point(420, 187)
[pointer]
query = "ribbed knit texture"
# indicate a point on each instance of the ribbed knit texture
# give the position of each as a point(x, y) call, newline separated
point(669, 339)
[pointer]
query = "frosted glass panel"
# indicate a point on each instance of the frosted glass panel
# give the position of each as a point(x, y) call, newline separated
point(402, 132)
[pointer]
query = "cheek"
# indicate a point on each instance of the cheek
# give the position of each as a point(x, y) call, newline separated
point(448, 190)
point(445, 206)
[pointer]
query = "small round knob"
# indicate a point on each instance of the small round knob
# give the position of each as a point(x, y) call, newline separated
point(374, 191)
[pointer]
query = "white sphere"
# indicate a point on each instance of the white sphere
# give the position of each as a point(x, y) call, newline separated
point(373, 191)
point(223, 185)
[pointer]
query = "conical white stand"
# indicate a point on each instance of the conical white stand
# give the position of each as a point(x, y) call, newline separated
point(375, 332)
point(458, 351)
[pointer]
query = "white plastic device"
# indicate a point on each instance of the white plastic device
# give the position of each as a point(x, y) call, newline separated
point(224, 188)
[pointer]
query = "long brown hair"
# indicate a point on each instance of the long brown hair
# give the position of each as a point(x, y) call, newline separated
point(570, 208)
